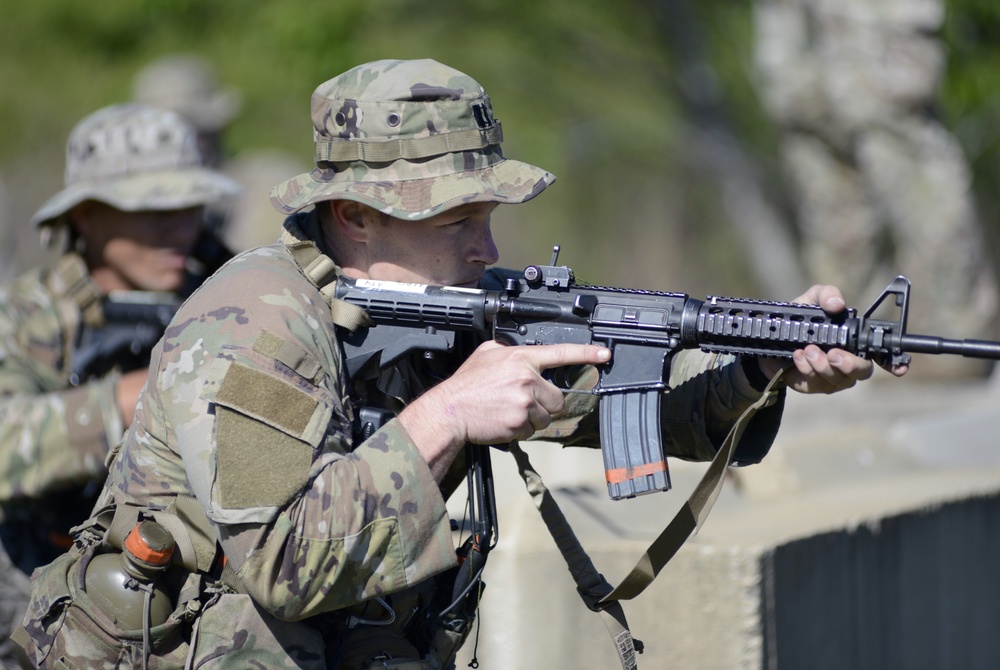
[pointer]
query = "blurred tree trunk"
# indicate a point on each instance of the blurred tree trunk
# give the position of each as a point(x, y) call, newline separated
point(881, 187)
point(716, 151)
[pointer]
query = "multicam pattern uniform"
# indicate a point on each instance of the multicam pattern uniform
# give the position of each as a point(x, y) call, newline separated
point(53, 436)
point(43, 413)
point(358, 131)
point(248, 414)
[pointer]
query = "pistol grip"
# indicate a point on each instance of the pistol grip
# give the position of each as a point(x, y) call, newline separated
point(632, 443)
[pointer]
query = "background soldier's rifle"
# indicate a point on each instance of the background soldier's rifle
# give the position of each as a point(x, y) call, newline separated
point(134, 321)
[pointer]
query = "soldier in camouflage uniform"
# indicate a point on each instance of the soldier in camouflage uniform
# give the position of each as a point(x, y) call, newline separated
point(134, 190)
point(302, 541)
point(189, 85)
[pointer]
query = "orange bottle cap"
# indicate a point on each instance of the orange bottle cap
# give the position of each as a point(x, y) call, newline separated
point(151, 543)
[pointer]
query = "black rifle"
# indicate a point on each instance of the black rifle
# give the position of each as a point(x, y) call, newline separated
point(134, 322)
point(644, 329)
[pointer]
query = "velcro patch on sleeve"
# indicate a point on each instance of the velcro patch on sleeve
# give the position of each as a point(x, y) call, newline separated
point(269, 399)
point(258, 466)
point(266, 429)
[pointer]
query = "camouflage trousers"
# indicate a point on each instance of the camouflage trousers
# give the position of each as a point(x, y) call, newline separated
point(14, 591)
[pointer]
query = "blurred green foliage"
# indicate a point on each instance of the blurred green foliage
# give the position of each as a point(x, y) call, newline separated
point(586, 88)
point(584, 60)
point(971, 97)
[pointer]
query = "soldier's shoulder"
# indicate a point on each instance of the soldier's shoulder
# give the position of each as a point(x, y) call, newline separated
point(257, 289)
point(32, 327)
point(262, 269)
point(26, 295)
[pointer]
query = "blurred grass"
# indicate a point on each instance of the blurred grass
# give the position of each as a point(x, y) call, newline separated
point(585, 88)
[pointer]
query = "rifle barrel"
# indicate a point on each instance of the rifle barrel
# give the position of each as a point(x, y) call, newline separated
point(927, 344)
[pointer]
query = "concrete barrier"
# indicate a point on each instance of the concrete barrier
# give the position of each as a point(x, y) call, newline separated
point(867, 539)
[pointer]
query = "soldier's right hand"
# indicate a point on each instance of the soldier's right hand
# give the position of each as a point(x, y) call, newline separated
point(127, 392)
point(496, 396)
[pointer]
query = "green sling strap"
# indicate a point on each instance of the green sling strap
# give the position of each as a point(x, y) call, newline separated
point(595, 590)
point(70, 278)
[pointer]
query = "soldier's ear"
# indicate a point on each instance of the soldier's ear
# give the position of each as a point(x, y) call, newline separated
point(350, 220)
point(81, 219)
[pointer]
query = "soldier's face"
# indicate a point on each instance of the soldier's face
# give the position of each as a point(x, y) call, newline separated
point(146, 250)
point(453, 248)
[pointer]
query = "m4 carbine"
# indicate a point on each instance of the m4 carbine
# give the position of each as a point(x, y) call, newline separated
point(643, 329)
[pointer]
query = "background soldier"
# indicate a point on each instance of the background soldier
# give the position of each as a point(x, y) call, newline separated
point(75, 338)
point(337, 544)
point(188, 84)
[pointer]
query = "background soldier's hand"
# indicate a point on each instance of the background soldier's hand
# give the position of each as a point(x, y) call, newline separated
point(496, 396)
point(816, 371)
point(127, 392)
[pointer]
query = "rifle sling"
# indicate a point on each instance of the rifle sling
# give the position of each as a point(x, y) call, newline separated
point(595, 590)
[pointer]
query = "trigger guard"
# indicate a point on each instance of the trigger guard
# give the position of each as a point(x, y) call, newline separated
point(560, 377)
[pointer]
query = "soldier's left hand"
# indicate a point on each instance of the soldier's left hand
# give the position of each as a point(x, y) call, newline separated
point(815, 371)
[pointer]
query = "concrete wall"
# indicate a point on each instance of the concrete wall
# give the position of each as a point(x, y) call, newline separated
point(857, 544)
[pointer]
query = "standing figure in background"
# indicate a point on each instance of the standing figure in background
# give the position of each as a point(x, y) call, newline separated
point(75, 338)
point(881, 186)
point(188, 85)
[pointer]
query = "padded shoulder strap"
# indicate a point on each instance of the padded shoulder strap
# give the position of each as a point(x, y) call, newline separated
point(69, 278)
point(323, 272)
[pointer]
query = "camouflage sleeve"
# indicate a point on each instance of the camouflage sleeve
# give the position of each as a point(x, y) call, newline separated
point(51, 441)
point(255, 408)
point(371, 522)
point(708, 394)
point(52, 436)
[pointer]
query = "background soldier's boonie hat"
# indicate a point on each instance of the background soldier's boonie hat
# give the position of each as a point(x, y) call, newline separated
point(410, 139)
point(135, 157)
point(186, 84)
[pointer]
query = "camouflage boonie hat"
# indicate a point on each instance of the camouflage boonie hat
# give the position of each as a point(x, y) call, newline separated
point(186, 84)
point(410, 139)
point(134, 157)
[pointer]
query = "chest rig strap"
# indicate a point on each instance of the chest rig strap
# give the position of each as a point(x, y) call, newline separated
point(79, 299)
point(71, 279)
